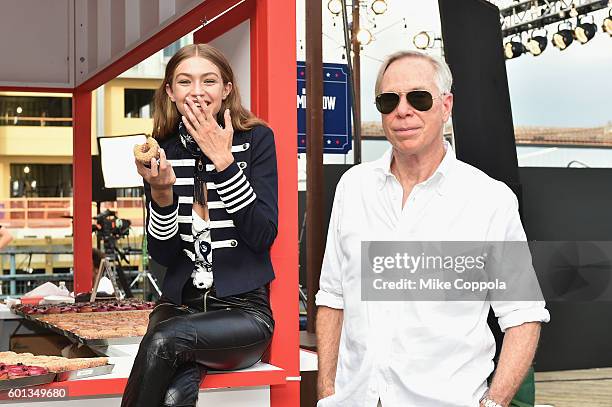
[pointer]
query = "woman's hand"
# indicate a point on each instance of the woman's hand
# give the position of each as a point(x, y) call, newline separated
point(214, 141)
point(160, 177)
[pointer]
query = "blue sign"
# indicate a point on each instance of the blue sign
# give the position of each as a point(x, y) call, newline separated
point(336, 108)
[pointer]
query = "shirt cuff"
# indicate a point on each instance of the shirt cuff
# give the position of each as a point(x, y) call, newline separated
point(233, 188)
point(164, 210)
point(521, 316)
point(323, 298)
point(163, 221)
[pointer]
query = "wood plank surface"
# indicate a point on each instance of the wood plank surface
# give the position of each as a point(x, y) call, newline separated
point(573, 388)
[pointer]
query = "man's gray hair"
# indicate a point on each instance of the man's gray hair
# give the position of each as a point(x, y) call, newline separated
point(443, 75)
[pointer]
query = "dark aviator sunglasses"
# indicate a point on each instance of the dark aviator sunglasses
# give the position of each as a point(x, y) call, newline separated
point(421, 100)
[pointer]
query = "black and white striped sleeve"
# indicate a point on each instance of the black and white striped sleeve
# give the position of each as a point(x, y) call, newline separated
point(162, 226)
point(236, 192)
point(163, 239)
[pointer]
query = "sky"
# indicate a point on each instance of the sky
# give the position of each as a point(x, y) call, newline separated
point(570, 88)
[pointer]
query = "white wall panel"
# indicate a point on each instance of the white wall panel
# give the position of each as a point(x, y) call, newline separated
point(149, 16)
point(104, 30)
point(166, 10)
point(81, 39)
point(36, 42)
point(117, 28)
point(236, 45)
point(62, 43)
point(132, 19)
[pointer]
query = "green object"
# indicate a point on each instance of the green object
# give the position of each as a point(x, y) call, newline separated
point(525, 396)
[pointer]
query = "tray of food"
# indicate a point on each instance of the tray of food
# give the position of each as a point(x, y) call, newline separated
point(60, 368)
point(95, 324)
point(19, 375)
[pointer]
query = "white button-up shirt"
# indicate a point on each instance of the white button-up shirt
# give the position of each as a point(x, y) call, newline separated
point(419, 353)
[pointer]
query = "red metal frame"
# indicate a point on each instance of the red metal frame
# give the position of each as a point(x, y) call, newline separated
point(81, 201)
point(115, 387)
point(272, 32)
point(273, 99)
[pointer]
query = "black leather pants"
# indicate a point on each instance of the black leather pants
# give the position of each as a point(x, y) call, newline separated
point(184, 341)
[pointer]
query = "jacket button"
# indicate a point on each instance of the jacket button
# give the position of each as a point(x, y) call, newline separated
point(245, 146)
point(233, 243)
point(242, 165)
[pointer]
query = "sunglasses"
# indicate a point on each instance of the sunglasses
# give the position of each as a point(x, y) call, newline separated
point(421, 100)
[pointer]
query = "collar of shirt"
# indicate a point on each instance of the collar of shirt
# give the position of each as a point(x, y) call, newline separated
point(438, 179)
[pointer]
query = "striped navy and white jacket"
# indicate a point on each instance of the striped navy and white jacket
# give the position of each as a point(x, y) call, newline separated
point(243, 210)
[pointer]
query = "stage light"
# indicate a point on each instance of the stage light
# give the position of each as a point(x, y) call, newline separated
point(26, 169)
point(514, 49)
point(364, 36)
point(334, 6)
point(563, 38)
point(379, 7)
point(607, 23)
point(537, 44)
point(585, 32)
point(422, 40)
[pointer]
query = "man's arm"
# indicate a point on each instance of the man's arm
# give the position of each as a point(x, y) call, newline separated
point(518, 350)
point(329, 327)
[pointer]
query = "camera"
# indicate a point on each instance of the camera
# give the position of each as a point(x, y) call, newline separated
point(109, 225)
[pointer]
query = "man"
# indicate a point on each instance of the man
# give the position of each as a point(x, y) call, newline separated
point(417, 353)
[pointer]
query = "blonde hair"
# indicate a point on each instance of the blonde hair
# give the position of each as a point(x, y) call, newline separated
point(443, 75)
point(165, 114)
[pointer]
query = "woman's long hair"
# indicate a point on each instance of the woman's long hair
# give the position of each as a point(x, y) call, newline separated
point(165, 114)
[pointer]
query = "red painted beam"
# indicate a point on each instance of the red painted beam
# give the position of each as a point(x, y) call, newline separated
point(81, 185)
point(208, 9)
point(272, 39)
point(273, 32)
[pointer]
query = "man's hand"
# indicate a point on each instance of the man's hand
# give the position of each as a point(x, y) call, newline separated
point(329, 327)
point(518, 350)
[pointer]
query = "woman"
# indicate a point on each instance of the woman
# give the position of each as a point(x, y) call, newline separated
point(212, 217)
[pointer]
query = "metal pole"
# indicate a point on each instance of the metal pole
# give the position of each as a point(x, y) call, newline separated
point(13, 272)
point(357, 83)
point(354, 74)
point(315, 234)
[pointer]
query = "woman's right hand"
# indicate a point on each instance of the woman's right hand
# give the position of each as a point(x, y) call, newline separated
point(160, 177)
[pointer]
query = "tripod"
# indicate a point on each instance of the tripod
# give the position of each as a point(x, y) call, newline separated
point(107, 270)
point(144, 275)
point(113, 257)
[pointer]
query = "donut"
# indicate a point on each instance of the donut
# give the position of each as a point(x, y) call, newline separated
point(144, 152)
